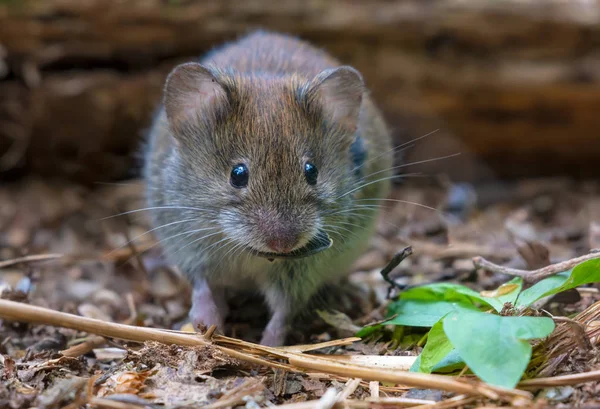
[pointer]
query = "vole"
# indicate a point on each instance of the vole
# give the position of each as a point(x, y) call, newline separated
point(264, 167)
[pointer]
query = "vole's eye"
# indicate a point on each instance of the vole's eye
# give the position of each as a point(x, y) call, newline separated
point(239, 176)
point(310, 173)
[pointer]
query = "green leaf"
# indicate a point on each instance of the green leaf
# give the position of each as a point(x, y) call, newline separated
point(423, 313)
point(451, 292)
point(495, 348)
point(450, 363)
point(584, 273)
point(368, 330)
point(437, 347)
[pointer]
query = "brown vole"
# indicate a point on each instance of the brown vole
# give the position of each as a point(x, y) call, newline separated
point(260, 156)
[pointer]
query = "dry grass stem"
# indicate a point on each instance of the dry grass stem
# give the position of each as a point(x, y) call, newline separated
point(88, 345)
point(350, 388)
point(454, 402)
point(573, 379)
point(374, 389)
point(402, 363)
point(29, 259)
point(533, 276)
point(245, 351)
point(236, 395)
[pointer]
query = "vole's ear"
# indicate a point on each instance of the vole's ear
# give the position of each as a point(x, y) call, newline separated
point(193, 94)
point(338, 92)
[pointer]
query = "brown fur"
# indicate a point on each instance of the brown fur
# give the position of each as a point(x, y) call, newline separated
point(272, 102)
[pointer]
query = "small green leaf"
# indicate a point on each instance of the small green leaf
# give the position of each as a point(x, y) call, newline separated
point(584, 273)
point(495, 348)
point(368, 330)
point(423, 313)
point(437, 347)
point(450, 363)
point(450, 292)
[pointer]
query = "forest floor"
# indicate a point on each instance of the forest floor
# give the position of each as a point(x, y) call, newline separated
point(101, 276)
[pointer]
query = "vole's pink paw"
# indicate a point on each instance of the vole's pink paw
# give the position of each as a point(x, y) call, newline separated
point(208, 307)
point(203, 317)
point(273, 338)
point(276, 331)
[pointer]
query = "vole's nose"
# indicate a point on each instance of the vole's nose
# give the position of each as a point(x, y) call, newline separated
point(282, 244)
point(281, 235)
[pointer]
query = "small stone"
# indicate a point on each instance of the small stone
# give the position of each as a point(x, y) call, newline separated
point(425, 394)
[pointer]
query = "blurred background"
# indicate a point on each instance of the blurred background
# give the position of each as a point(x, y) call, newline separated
point(514, 86)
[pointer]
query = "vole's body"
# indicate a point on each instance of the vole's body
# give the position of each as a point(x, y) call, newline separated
point(272, 103)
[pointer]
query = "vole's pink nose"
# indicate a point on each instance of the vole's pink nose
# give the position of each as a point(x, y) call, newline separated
point(280, 234)
point(282, 244)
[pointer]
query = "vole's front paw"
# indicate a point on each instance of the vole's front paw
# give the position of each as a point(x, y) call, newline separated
point(272, 338)
point(208, 307)
point(204, 318)
point(276, 331)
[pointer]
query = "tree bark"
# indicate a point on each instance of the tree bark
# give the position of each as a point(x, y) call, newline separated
point(514, 86)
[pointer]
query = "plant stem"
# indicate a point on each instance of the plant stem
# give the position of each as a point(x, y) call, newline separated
point(533, 276)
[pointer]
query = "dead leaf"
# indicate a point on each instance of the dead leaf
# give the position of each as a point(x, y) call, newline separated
point(338, 320)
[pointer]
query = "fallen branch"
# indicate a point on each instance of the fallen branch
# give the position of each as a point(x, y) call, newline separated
point(533, 276)
point(29, 259)
point(247, 352)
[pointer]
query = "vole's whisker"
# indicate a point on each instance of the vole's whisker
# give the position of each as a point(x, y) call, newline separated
point(151, 230)
point(335, 233)
point(209, 247)
point(188, 233)
point(403, 201)
point(196, 240)
point(344, 229)
point(413, 163)
point(157, 208)
point(235, 251)
point(228, 242)
point(398, 148)
point(376, 181)
point(353, 213)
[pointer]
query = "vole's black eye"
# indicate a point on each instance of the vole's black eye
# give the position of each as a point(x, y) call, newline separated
point(239, 176)
point(310, 173)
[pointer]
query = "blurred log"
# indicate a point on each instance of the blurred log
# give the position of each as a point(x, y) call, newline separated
point(515, 84)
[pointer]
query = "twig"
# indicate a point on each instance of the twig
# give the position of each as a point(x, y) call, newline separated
point(387, 402)
point(236, 396)
point(85, 347)
point(394, 262)
point(37, 315)
point(321, 345)
point(533, 276)
point(113, 404)
point(360, 404)
point(29, 259)
point(573, 379)
point(580, 336)
point(350, 388)
point(297, 362)
point(132, 309)
point(448, 403)
point(374, 389)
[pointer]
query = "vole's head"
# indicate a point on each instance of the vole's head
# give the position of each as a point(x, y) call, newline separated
point(268, 158)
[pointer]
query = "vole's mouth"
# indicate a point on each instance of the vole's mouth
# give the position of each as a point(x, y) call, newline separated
point(321, 241)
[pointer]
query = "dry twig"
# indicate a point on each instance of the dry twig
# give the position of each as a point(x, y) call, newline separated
point(573, 379)
point(29, 259)
point(85, 347)
point(533, 276)
point(252, 353)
